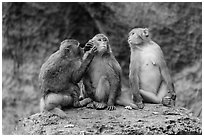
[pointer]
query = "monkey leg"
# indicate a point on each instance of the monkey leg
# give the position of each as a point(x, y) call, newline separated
point(75, 93)
point(150, 97)
point(157, 98)
point(134, 87)
point(53, 103)
point(101, 94)
point(126, 100)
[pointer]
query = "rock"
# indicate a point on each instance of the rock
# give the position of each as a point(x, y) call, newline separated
point(153, 119)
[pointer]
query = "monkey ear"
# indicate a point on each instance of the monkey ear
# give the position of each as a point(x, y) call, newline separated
point(78, 44)
point(146, 32)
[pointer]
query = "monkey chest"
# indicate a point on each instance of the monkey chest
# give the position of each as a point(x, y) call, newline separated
point(150, 76)
point(97, 69)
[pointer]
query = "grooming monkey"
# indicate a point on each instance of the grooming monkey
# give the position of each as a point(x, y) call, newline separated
point(59, 77)
point(102, 81)
point(149, 75)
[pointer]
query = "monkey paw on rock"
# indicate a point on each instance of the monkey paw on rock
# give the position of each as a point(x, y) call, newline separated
point(85, 101)
point(168, 101)
point(140, 105)
point(111, 108)
point(96, 105)
point(100, 106)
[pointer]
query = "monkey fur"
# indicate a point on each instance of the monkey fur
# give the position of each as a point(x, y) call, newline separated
point(102, 81)
point(59, 77)
point(149, 76)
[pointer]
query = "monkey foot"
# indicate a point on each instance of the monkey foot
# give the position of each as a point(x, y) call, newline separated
point(58, 112)
point(100, 105)
point(90, 106)
point(128, 107)
point(85, 101)
point(140, 105)
point(110, 108)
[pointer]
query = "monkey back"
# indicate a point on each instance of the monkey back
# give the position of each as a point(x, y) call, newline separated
point(55, 73)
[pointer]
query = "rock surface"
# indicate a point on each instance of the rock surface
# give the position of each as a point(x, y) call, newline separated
point(153, 119)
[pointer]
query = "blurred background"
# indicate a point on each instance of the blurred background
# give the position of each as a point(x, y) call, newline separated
point(33, 31)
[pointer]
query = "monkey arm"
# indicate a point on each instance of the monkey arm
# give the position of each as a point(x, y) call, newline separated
point(134, 85)
point(114, 87)
point(77, 74)
point(115, 80)
point(167, 78)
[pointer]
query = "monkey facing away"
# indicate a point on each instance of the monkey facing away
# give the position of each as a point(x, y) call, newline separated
point(59, 77)
point(149, 75)
point(102, 81)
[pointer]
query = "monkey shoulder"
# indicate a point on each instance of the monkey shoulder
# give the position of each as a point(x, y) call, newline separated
point(152, 52)
point(115, 64)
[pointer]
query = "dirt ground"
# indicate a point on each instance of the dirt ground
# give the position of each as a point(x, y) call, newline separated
point(153, 119)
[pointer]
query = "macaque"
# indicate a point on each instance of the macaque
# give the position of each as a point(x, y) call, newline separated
point(102, 81)
point(149, 76)
point(59, 77)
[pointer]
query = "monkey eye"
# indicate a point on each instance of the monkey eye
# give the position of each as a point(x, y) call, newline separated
point(104, 39)
point(99, 39)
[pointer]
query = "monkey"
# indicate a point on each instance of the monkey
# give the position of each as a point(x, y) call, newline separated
point(150, 80)
point(102, 82)
point(59, 77)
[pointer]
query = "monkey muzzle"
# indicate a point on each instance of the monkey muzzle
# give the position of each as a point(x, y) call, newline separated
point(129, 41)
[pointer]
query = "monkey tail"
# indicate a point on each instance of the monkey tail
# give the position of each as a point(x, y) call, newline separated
point(42, 104)
point(126, 99)
point(126, 103)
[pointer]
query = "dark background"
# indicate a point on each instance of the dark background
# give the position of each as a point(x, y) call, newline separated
point(33, 31)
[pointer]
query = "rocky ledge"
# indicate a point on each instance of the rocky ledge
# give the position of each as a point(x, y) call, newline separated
point(153, 119)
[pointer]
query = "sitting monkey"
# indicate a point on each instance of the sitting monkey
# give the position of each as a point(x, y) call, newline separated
point(102, 81)
point(149, 75)
point(59, 77)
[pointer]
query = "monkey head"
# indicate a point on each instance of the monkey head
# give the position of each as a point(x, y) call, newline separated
point(138, 35)
point(101, 42)
point(71, 48)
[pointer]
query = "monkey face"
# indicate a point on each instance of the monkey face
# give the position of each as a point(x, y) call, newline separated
point(71, 48)
point(101, 42)
point(137, 36)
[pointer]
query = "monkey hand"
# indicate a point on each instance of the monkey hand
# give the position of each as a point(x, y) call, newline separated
point(93, 50)
point(85, 101)
point(88, 46)
point(90, 54)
